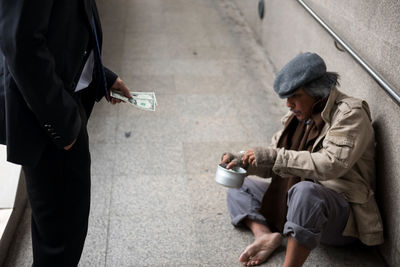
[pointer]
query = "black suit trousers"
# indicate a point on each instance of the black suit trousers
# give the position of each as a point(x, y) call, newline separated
point(59, 194)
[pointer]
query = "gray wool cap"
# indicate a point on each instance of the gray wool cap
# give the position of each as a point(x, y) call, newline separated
point(301, 70)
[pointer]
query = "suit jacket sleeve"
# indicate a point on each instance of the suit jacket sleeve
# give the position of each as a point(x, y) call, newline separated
point(23, 25)
point(110, 77)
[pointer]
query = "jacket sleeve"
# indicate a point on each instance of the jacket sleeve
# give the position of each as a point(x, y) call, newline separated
point(23, 27)
point(111, 77)
point(342, 147)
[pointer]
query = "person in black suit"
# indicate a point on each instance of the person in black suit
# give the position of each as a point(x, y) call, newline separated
point(50, 77)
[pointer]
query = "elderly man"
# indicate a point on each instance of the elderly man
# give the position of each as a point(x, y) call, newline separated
point(322, 168)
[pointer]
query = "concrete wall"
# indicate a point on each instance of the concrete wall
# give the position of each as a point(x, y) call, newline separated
point(372, 28)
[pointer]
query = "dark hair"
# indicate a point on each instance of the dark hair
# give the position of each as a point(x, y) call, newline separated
point(321, 87)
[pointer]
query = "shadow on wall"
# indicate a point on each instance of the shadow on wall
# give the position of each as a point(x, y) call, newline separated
point(382, 162)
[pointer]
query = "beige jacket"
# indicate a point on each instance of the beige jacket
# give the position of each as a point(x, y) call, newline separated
point(342, 159)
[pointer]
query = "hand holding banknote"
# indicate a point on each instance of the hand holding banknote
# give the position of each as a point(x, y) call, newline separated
point(120, 87)
point(142, 100)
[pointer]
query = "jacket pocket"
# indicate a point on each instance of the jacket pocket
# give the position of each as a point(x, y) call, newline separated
point(339, 146)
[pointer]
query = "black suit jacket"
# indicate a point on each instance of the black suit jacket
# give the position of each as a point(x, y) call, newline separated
point(43, 47)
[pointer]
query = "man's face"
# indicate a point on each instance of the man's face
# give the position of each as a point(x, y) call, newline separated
point(301, 104)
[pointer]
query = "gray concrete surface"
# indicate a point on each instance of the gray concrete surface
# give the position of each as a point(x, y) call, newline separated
point(372, 29)
point(154, 199)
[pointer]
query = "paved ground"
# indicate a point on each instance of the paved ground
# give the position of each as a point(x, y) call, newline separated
point(154, 200)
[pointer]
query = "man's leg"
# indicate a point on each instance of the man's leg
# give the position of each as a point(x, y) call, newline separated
point(313, 211)
point(296, 254)
point(59, 194)
point(243, 205)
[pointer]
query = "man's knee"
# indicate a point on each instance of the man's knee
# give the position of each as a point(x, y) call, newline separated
point(303, 192)
point(306, 205)
point(305, 201)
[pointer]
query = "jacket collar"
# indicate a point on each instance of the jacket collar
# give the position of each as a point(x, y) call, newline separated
point(335, 96)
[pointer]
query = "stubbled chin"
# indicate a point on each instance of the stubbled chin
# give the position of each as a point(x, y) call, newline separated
point(299, 117)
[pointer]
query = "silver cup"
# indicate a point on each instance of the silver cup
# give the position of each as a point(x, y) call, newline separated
point(233, 177)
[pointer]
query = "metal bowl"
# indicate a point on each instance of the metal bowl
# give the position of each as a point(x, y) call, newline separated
point(233, 177)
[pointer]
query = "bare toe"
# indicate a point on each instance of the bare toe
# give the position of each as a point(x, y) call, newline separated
point(244, 257)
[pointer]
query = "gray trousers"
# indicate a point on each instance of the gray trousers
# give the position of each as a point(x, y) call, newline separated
point(315, 213)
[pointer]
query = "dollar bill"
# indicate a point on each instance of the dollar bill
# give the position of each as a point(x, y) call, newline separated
point(145, 95)
point(142, 100)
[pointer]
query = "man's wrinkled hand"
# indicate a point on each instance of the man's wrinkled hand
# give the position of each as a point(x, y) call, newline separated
point(119, 87)
point(249, 158)
point(229, 161)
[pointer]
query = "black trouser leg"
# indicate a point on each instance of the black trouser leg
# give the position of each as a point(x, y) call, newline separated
point(59, 194)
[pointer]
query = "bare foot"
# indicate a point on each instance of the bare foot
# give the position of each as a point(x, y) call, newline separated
point(261, 249)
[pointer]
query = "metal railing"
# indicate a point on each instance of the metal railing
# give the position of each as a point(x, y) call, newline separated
point(384, 84)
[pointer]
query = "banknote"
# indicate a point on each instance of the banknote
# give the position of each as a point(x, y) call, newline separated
point(145, 95)
point(141, 100)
